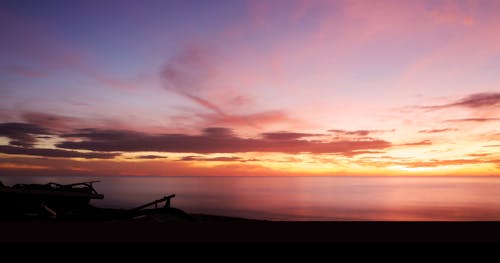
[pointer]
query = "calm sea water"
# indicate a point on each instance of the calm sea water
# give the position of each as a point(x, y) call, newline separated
point(305, 198)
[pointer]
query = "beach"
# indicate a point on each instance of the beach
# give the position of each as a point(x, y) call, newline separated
point(249, 232)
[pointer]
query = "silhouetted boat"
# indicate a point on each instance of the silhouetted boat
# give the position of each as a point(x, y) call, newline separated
point(72, 202)
point(50, 198)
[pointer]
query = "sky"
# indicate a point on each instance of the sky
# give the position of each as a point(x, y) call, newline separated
point(250, 88)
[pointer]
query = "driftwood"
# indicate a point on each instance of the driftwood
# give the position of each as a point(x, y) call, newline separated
point(165, 199)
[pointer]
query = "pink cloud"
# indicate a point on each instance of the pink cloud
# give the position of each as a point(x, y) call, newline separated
point(195, 72)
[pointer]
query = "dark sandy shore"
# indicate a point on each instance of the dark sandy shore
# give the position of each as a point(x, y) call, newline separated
point(227, 230)
point(172, 225)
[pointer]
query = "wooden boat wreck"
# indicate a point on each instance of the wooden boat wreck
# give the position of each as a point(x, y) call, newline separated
point(50, 198)
point(72, 202)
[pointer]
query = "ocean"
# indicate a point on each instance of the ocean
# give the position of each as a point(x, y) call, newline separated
point(305, 198)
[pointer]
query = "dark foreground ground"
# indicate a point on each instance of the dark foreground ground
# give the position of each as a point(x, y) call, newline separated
point(238, 231)
point(171, 225)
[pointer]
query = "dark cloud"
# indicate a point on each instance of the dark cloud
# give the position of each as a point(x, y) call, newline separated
point(213, 159)
point(477, 100)
point(424, 142)
point(218, 132)
point(150, 157)
point(473, 120)
point(54, 153)
point(22, 134)
point(212, 140)
point(437, 130)
point(359, 132)
point(43, 137)
point(287, 135)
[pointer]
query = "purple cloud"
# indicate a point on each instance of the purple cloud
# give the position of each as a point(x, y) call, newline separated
point(22, 134)
point(477, 100)
point(212, 140)
point(58, 153)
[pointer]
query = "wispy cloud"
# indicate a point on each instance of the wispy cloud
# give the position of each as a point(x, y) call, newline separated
point(420, 143)
point(354, 153)
point(359, 132)
point(287, 135)
point(57, 153)
point(479, 154)
point(473, 120)
point(477, 100)
point(438, 163)
point(255, 120)
point(190, 74)
point(150, 157)
point(437, 130)
point(214, 159)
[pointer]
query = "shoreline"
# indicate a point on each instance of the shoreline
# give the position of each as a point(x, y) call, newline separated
point(172, 225)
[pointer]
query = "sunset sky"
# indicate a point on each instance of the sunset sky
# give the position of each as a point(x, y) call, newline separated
point(255, 88)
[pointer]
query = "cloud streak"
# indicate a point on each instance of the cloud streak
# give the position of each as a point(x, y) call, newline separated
point(212, 140)
point(150, 157)
point(214, 159)
point(287, 135)
point(57, 153)
point(438, 163)
point(420, 143)
point(187, 73)
point(190, 74)
point(437, 130)
point(477, 100)
point(473, 120)
point(359, 132)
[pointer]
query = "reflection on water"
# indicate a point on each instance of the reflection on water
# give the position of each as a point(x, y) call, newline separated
point(306, 198)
